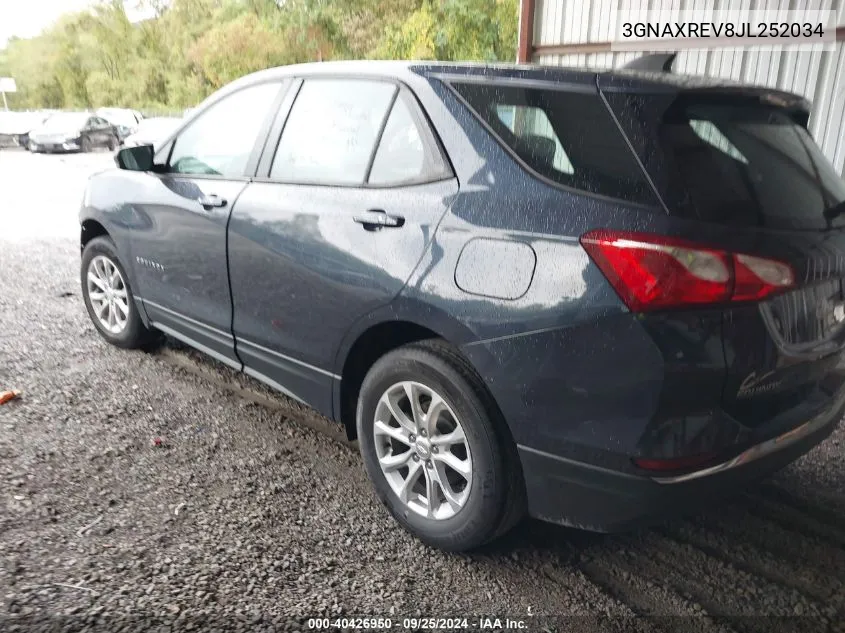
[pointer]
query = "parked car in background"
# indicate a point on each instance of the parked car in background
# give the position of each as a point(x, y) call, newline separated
point(151, 130)
point(16, 126)
point(73, 132)
point(603, 297)
point(126, 121)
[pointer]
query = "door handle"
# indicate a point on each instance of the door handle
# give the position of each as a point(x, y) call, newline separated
point(212, 200)
point(376, 219)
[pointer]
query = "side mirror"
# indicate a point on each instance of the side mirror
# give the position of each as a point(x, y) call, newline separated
point(138, 158)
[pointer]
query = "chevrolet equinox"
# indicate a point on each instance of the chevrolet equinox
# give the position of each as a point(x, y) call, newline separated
point(595, 297)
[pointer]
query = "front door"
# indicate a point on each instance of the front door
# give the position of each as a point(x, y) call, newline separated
point(179, 247)
point(334, 228)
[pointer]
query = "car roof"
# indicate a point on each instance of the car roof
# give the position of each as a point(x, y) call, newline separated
point(399, 69)
point(618, 79)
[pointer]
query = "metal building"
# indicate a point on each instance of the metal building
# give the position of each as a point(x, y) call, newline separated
point(579, 33)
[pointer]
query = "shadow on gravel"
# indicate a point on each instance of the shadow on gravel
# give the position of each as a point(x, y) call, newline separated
point(765, 551)
point(538, 535)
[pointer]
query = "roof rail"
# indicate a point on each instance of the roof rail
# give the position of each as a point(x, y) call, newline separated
point(657, 62)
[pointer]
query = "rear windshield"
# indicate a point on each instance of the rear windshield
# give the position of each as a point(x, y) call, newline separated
point(745, 164)
point(569, 138)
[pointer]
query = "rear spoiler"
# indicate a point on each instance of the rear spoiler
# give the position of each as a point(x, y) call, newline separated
point(796, 106)
point(653, 73)
point(659, 62)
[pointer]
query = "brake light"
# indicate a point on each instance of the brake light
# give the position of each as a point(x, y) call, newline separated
point(650, 272)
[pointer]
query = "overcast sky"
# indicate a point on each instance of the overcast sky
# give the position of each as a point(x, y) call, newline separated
point(25, 18)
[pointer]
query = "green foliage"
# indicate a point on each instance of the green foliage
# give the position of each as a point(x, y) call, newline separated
point(192, 47)
point(453, 30)
point(235, 48)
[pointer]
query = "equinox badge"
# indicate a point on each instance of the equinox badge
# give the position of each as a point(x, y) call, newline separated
point(149, 263)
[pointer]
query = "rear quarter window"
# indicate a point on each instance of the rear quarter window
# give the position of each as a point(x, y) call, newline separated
point(568, 138)
point(407, 152)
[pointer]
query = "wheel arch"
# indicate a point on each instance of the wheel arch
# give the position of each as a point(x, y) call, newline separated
point(395, 325)
point(90, 229)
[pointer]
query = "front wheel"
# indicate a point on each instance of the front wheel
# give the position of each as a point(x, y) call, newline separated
point(108, 297)
point(436, 450)
point(85, 144)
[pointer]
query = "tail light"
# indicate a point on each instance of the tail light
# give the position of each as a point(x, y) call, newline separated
point(650, 272)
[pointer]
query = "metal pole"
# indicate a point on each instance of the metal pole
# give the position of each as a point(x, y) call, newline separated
point(5, 104)
point(525, 44)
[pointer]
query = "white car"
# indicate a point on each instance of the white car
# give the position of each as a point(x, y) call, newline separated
point(126, 121)
point(16, 126)
point(151, 130)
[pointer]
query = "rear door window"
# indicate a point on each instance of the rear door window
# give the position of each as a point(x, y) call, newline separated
point(567, 137)
point(332, 130)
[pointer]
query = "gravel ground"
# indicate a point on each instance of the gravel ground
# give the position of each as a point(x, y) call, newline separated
point(246, 517)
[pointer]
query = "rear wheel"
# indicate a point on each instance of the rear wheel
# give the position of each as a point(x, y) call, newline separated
point(436, 450)
point(112, 143)
point(108, 296)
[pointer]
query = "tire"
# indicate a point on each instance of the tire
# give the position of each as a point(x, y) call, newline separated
point(85, 144)
point(133, 334)
point(112, 143)
point(495, 500)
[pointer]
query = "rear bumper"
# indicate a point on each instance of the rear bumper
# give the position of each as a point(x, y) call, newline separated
point(584, 496)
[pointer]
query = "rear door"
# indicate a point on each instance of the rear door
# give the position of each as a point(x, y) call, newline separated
point(740, 171)
point(338, 217)
point(89, 131)
point(180, 218)
point(102, 132)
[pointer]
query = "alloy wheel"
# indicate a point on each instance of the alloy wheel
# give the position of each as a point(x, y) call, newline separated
point(422, 450)
point(107, 293)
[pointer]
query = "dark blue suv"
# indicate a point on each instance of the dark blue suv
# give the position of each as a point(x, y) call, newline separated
point(595, 297)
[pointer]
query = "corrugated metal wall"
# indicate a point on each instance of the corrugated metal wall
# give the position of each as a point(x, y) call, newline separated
point(819, 75)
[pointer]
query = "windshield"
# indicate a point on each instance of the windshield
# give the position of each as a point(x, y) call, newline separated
point(743, 164)
point(66, 121)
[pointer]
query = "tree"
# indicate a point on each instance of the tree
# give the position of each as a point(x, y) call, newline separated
point(192, 47)
point(236, 48)
point(453, 30)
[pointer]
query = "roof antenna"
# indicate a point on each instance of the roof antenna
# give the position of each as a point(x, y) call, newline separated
point(657, 62)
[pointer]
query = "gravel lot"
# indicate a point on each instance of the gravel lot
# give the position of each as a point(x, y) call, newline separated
point(247, 517)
